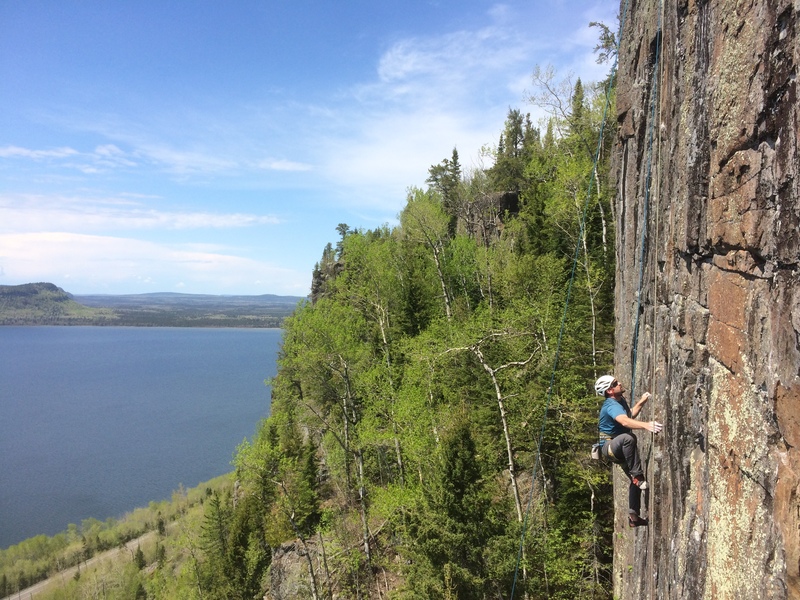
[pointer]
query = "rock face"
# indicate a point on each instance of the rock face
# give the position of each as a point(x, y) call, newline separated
point(709, 117)
point(288, 574)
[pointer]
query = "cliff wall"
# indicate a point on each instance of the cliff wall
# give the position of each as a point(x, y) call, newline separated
point(708, 106)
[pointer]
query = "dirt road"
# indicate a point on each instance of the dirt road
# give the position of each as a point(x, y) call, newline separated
point(62, 576)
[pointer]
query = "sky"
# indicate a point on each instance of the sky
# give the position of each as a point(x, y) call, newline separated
point(213, 147)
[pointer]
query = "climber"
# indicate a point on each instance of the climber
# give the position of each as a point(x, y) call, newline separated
point(617, 420)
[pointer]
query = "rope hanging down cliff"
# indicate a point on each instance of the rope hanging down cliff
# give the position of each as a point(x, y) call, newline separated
point(659, 86)
point(657, 77)
point(609, 88)
point(646, 203)
point(657, 82)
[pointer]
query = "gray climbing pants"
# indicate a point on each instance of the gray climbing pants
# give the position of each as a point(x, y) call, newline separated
point(623, 451)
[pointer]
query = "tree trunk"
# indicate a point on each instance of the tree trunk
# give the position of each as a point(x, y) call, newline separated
point(362, 496)
point(512, 470)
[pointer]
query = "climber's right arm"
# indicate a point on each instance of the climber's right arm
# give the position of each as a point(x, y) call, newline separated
point(626, 421)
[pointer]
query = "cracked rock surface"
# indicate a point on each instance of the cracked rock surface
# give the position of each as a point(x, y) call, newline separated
point(707, 105)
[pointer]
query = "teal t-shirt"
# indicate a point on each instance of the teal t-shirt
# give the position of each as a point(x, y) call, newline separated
point(608, 413)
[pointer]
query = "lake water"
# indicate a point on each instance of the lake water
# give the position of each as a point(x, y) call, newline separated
point(97, 421)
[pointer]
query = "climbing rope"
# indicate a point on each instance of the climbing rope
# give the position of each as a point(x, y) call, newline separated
point(562, 327)
point(645, 205)
point(657, 81)
point(651, 512)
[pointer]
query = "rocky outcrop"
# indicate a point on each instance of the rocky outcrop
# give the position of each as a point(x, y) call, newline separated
point(289, 575)
point(709, 118)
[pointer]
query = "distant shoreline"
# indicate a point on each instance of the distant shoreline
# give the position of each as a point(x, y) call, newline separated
point(186, 325)
point(36, 304)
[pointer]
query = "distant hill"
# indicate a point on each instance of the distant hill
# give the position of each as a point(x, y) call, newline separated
point(48, 304)
point(170, 299)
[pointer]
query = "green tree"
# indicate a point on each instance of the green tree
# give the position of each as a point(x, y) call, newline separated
point(343, 229)
point(514, 149)
point(445, 178)
point(248, 553)
point(424, 222)
point(454, 524)
point(217, 576)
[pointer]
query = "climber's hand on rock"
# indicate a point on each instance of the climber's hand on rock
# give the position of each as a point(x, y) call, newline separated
point(654, 426)
point(645, 397)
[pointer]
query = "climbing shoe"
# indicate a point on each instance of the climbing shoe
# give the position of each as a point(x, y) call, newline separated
point(640, 483)
point(635, 520)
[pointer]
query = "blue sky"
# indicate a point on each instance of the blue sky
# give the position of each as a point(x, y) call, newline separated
point(213, 147)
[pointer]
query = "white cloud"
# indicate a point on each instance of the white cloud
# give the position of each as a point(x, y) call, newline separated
point(283, 165)
point(186, 162)
point(110, 155)
point(394, 150)
point(17, 152)
point(92, 263)
point(104, 157)
point(29, 213)
point(465, 57)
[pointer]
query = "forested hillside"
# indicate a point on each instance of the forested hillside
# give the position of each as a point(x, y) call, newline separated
point(46, 304)
point(401, 455)
point(434, 398)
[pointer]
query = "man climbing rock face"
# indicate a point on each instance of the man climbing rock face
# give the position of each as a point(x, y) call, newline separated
point(617, 420)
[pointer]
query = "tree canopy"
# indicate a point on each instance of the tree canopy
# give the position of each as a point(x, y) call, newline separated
point(412, 388)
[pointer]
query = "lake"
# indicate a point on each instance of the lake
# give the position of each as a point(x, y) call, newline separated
point(97, 421)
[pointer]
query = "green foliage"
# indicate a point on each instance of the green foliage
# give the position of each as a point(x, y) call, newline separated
point(514, 150)
point(411, 390)
point(453, 524)
point(445, 178)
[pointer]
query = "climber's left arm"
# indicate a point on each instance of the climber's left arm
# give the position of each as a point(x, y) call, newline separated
point(637, 408)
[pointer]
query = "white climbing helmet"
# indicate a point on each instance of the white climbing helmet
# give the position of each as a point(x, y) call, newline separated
point(603, 383)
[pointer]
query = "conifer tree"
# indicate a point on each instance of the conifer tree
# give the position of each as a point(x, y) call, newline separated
point(445, 178)
point(513, 153)
point(455, 523)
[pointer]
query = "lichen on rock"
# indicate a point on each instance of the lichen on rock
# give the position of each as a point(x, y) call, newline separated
point(719, 343)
